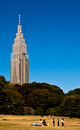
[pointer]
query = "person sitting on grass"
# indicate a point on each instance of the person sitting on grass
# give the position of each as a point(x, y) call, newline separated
point(40, 123)
point(44, 123)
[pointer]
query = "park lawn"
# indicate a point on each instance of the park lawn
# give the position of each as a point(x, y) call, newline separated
point(17, 122)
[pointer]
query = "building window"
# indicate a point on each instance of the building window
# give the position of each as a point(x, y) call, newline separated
point(11, 56)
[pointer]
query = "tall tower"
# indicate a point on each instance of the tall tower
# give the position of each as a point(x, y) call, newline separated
point(19, 59)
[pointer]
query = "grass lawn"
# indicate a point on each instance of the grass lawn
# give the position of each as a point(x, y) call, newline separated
point(15, 122)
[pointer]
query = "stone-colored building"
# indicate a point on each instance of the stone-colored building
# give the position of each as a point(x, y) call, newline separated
point(19, 59)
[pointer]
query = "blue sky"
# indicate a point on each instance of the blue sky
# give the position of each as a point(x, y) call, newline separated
point(51, 30)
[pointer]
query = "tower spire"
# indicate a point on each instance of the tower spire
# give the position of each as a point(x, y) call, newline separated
point(19, 19)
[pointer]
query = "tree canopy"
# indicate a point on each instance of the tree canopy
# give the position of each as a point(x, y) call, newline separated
point(38, 98)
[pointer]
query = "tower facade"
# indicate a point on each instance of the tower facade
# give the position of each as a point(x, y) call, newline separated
point(19, 59)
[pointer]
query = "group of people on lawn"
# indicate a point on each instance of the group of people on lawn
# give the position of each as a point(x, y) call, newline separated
point(43, 123)
point(58, 122)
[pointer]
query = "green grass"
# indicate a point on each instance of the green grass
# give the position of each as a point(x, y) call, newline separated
point(24, 123)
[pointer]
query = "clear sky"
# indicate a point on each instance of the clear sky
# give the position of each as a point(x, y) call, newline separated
point(51, 30)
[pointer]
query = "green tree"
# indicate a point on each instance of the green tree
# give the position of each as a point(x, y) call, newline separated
point(2, 99)
point(71, 106)
point(14, 102)
point(2, 80)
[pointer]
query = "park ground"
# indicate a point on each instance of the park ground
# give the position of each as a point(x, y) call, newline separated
point(18, 122)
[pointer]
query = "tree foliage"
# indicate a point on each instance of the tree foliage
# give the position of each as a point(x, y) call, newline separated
point(38, 98)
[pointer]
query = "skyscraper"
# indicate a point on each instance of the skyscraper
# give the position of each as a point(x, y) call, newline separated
point(19, 59)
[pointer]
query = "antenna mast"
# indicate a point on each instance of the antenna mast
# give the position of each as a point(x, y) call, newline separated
point(19, 19)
